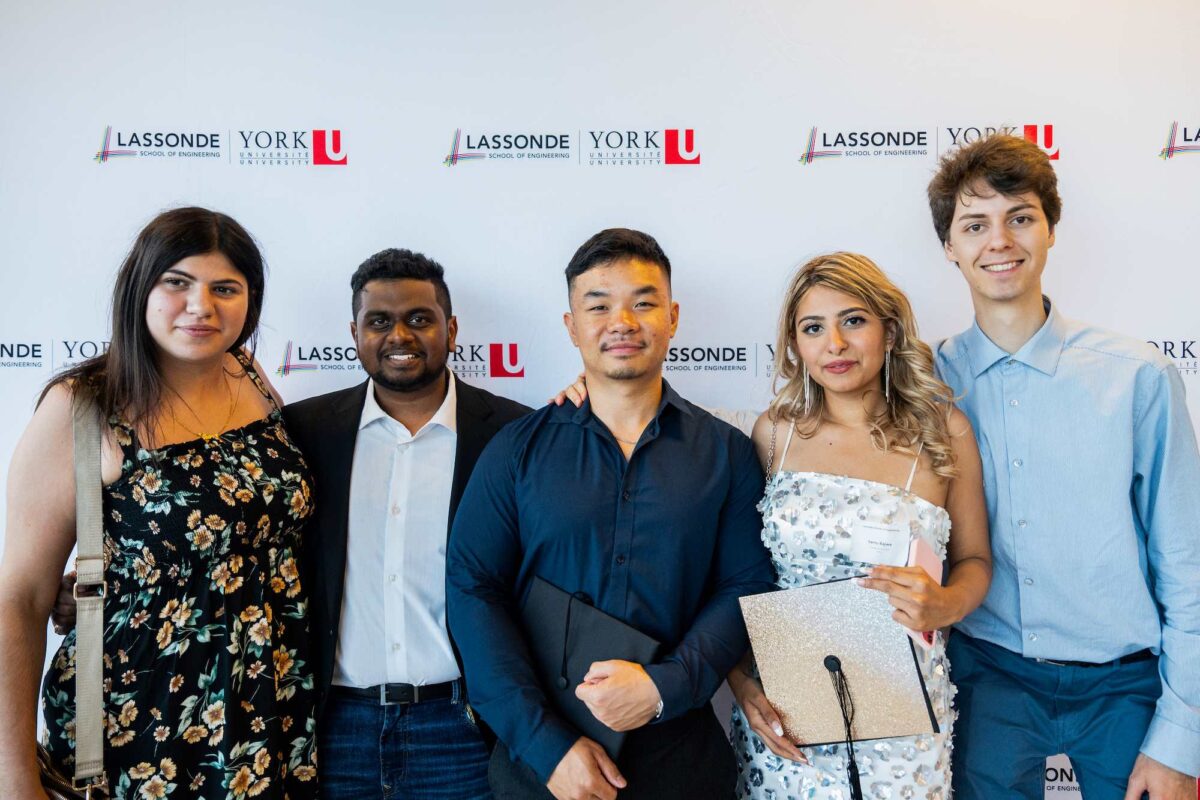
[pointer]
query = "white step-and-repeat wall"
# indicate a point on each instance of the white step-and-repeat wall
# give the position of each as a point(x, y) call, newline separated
point(497, 137)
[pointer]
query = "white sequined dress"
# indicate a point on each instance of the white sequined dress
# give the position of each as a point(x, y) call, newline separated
point(808, 521)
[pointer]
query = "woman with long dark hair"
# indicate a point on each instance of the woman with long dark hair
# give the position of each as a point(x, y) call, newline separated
point(207, 691)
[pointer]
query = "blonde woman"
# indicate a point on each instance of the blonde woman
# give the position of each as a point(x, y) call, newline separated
point(861, 431)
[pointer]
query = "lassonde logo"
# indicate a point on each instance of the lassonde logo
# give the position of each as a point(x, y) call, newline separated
point(709, 358)
point(118, 143)
point(508, 147)
point(811, 153)
point(302, 358)
point(642, 147)
point(456, 153)
point(891, 143)
point(728, 359)
point(291, 147)
point(21, 354)
point(1189, 142)
point(106, 150)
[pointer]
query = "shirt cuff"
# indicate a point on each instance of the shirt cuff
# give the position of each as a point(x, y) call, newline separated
point(1173, 746)
point(547, 746)
point(673, 687)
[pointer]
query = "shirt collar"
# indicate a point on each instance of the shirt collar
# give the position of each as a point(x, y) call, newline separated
point(446, 415)
point(1041, 352)
point(580, 416)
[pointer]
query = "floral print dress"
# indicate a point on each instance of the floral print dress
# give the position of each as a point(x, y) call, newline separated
point(207, 685)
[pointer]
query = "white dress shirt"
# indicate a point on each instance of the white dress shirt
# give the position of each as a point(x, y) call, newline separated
point(393, 621)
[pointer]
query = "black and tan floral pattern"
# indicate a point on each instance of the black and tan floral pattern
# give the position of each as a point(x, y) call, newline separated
point(209, 694)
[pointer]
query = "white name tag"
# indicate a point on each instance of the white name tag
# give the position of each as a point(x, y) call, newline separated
point(879, 543)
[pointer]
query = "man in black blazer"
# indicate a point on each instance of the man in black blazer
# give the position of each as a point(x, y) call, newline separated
point(391, 457)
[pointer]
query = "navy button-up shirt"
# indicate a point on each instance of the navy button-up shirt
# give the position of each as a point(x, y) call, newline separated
point(667, 542)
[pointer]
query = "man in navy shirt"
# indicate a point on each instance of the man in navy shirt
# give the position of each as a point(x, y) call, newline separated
point(643, 502)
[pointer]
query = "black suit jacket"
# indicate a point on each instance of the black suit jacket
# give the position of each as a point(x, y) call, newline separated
point(326, 429)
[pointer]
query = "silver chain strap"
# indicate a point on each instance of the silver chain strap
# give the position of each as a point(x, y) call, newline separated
point(771, 451)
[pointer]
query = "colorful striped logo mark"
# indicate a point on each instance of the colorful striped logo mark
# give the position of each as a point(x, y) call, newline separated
point(288, 366)
point(1172, 149)
point(105, 153)
point(457, 155)
point(811, 153)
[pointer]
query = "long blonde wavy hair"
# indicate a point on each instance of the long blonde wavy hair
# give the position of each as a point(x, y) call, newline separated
point(919, 410)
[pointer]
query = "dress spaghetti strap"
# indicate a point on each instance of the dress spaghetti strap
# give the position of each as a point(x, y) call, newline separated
point(912, 473)
point(786, 444)
point(248, 364)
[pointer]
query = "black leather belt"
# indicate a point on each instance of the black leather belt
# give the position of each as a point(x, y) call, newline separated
point(1132, 658)
point(391, 694)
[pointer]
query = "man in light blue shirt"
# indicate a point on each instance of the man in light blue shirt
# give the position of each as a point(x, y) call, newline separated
point(1088, 642)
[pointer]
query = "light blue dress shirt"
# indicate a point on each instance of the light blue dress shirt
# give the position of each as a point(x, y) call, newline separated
point(1092, 478)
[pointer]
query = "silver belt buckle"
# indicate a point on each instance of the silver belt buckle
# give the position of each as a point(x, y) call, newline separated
point(1051, 661)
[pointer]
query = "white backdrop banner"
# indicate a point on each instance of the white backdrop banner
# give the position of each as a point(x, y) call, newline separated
point(497, 137)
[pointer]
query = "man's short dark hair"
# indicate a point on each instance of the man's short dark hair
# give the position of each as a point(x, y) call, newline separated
point(1009, 165)
point(398, 264)
point(616, 244)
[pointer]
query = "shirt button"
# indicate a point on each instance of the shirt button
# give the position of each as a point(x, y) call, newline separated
point(1010, 362)
point(1033, 637)
point(396, 646)
point(391, 578)
point(620, 560)
point(1021, 523)
point(1017, 462)
point(396, 510)
point(625, 495)
point(1029, 581)
point(1014, 402)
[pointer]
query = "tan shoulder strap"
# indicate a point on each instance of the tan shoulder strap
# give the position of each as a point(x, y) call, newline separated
point(90, 590)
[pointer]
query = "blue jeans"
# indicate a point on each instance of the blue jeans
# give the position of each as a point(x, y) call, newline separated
point(430, 749)
point(1014, 712)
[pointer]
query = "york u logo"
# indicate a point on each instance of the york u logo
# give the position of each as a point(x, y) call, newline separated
point(327, 148)
point(1043, 137)
point(677, 154)
point(504, 362)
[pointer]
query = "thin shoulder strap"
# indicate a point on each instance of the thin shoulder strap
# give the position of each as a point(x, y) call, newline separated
point(787, 443)
point(912, 473)
point(248, 365)
point(90, 590)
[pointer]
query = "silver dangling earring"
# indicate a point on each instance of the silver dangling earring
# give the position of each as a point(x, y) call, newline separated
point(887, 376)
point(807, 392)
